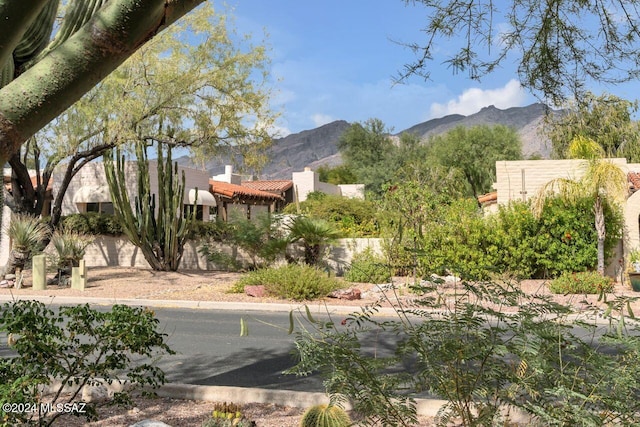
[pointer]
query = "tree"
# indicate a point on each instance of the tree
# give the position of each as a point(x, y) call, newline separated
point(602, 181)
point(606, 119)
point(474, 152)
point(95, 37)
point(204, 97)
point(364, 148)
point(313, 234)
point(559, 45)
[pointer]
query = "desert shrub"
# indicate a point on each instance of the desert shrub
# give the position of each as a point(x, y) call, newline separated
point(351, 217)
point(70, 247)
point(292, 281)
point(585, 282)
point(493, 345)
point(79, 346)
point(217, 231)
point(92, 223)
point(367, 267)
point(227, 415)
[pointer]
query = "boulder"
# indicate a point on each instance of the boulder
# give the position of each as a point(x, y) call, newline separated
point(347, 294)
point(257, 291)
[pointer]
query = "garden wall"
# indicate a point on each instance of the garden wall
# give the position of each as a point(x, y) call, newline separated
point(117, 251)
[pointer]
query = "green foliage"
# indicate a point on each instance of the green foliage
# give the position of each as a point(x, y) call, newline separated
point(474, 151)
point(313, 234)
point(94, 223)
point(606, 119)
point(584, 282)
point(364, 148)
point(79, 346)
point(325, 416)
point(70, 247)
point(341, 174)
point(351, 217)
point(227, 415)
point(366, 267)
point(159, 230)
point(262, 238)
point(26, 233)
point(492, 345)
point(291, 281)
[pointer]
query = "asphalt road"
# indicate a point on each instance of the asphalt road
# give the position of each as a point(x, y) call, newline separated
point(210, 350)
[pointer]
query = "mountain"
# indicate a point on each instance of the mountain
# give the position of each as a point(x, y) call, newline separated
point(318, 146)
point(526, 120)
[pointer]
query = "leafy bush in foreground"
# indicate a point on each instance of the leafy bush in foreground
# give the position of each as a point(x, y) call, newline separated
point(292, 281)
point(490, 347)
point(78, 346)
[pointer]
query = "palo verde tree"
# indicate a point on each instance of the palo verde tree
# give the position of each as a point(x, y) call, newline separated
point(158, 229)
point(194, 86)
point(559, 46)
point(43, 75)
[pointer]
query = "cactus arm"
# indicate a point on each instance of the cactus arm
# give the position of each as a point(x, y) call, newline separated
point(16, 17)
point(37, 35)
point(60, 78)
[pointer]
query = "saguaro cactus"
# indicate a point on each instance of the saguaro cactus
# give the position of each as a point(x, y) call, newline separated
point(159, 230)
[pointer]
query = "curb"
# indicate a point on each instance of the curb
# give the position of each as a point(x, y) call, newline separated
point(315, 308)
point(297, 399)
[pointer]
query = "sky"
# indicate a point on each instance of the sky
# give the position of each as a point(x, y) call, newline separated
point(337, 60)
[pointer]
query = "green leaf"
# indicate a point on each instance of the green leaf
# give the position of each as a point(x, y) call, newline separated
point(244, 328)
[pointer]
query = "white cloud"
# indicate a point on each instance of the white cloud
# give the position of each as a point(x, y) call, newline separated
point(321, 119)
point(473, 99)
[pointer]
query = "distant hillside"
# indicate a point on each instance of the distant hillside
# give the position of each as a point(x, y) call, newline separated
point(526, 120)
point(318, 146)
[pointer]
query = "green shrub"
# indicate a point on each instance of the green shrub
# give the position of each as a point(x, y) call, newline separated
point(480, 348)
point(585, 282)
point(80, 346)
point(92, 223)
point(368, 268)
point(351, 217)
point(292, 281)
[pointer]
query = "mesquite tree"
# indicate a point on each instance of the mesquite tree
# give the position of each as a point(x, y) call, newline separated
point(159, 230)
point(42, 77)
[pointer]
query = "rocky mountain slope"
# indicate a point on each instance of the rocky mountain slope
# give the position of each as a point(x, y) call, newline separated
point(318, 146)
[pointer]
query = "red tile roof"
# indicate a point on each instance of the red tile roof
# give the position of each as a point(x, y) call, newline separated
point(271, 186)
point(240, 193)
point(634, 180)
point(489, 197)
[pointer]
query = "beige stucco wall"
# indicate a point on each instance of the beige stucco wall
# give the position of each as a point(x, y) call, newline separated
point(114, 251)
point(93, 175)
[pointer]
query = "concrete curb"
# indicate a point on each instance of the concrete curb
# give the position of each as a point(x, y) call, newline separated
point(314, 307)
point(297, 399)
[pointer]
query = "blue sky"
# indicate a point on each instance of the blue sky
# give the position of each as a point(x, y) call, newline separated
point(336, 59)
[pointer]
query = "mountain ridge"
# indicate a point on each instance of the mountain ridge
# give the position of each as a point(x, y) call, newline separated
point(317, 147)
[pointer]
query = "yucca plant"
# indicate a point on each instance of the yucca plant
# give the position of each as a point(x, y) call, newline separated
point(70, 247)
point(313, 234)
point(27, 234)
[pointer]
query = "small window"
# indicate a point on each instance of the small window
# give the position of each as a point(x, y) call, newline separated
point(199, 211)
point(93, 207)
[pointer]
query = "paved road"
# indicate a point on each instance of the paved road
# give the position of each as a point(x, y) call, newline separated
point(212, 352)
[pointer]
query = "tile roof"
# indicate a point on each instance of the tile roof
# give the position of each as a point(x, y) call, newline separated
point(489, 197)
point(634, 180)
point(272, 185)
point(240, 193)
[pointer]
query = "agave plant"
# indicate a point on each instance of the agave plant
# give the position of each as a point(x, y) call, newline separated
point(27, 234)
point(313, 234)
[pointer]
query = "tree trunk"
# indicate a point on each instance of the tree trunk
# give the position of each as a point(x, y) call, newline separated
point(59, 79)
point(601, 232)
